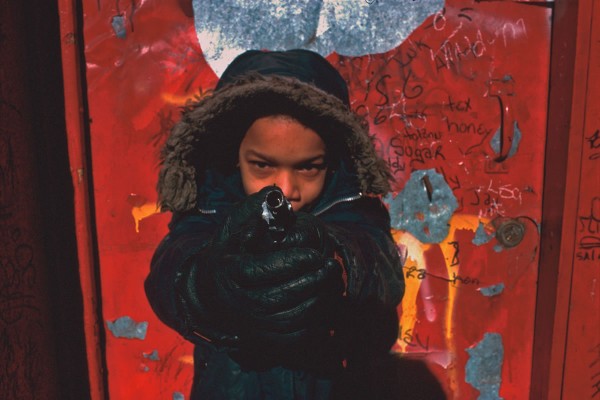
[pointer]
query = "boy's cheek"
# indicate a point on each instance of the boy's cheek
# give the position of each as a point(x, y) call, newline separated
point(253, 184)
point(248, 181)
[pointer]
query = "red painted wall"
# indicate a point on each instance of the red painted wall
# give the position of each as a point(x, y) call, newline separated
point(435, 102)
point(578, 300)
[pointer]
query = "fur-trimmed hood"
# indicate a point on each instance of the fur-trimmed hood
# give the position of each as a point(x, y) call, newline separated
point(210, 131)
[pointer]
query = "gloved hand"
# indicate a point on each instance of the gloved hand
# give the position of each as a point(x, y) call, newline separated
point(309, 231)
point(245, 289)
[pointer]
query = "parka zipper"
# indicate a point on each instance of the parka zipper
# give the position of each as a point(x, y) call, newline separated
point(202, 211)
point(338, 201)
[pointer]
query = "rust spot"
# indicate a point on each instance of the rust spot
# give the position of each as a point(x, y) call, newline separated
point(69, 38)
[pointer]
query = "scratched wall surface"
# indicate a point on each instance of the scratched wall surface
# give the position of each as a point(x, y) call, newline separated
point(456, 96)
point(582, 357)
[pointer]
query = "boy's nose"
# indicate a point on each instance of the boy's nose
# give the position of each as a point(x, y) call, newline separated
point(289, 185)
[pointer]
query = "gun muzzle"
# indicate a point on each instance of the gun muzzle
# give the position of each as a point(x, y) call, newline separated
point(278, 213)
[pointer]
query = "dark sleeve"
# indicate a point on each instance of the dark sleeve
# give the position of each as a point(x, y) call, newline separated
point(187, 236)
point(368, 321)
point(361, 232)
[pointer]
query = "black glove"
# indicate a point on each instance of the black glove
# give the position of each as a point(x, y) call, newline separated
point(309, 231)
point(245, 290)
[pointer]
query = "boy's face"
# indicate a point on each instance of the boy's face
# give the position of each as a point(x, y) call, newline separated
point(279, 150)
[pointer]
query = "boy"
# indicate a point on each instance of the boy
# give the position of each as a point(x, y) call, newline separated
point(300, 317)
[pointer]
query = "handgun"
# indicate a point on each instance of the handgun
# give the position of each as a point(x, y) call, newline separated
point(277, 213)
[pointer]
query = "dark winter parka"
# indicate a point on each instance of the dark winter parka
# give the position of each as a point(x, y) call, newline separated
point(200, 184)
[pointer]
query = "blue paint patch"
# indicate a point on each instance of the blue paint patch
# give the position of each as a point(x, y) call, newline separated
point(493, 290)
point(350, 28)
point(118, 25)
point(178, 396)
point(152, 356)
point(498, 248)
point(481, 236)
point(484, 367)
point(424, 207)
point(146, 368)
point(514, 146)
point(125, 327)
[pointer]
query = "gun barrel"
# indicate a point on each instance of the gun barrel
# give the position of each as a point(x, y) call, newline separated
point(277, 212)
point(275, 200)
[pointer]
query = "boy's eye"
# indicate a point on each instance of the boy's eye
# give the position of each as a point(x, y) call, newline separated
point(312, 168)
point(260, 164)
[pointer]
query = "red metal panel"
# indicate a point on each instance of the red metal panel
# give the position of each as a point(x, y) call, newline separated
point(135, 87)
point(566, 353)
point(551, 302)
point(581, 376)
point(77, 158)
point(449, 97)
point(464, 96)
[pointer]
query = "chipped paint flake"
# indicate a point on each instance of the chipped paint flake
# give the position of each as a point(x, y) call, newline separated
point(493, 290)
point(424, 207)
point(481, 236)
point(484, 367)
point(178, 396)
point(125, 327)
point(118, 25)
point(152, 356)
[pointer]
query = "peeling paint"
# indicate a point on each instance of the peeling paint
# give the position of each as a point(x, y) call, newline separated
point(493, 290)
point(423, 209)
point(118, 25)
point(514, 145)
point(481, 236)
point(152, 356)
point(178, 396)
point(125, 327)
point(484, 367)
point(350, 28)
